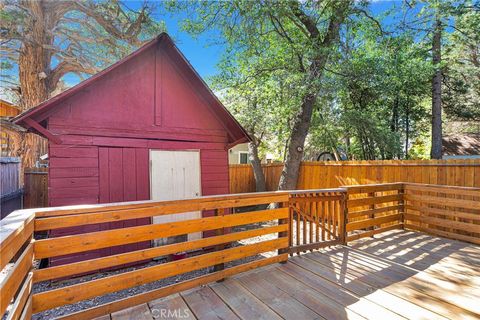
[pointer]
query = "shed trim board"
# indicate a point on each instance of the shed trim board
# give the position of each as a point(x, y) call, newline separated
point(101, 133)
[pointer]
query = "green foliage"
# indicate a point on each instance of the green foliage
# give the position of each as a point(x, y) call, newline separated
point(374, 99)
point(462, 70)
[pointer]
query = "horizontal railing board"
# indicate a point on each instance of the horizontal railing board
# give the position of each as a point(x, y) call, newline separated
point(352, 203)
point(236, 200)
point(103, 239)
point(443, 212)
point(373, 232)
point(140, 255)
point(369, 188)
point(463, 226)
point(351, 226)
point(311, 191)
point(449, 202)
point(171, 289)
point(441, 233)
point(454, 190)
point(15, 230)
point(357, 214)
point(315, 199)
point(15, 277)
point(180, 206)
point(22, 298)
point(78, 292)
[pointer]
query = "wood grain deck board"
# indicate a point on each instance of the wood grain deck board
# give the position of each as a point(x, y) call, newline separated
point(171, 307)
point(374, 278)
point(205, 304)
point(242, 302)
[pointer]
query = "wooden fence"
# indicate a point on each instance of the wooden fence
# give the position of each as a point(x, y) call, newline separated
point(36, 188)
point(329, 174)
point(10, 189)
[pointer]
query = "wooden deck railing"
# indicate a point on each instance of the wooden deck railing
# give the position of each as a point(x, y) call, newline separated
point(447, 211)
point(372, 209)
point(301, 221)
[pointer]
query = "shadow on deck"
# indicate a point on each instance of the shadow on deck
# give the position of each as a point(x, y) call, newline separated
point(395, 275)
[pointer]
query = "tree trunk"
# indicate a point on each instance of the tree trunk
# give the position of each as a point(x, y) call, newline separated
point(291, 169)
point(34, 68)
point(257, 167)
point(407, 129)
point(436, 151)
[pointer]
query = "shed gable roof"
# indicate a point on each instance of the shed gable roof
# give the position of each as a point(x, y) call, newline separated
point(235, 132)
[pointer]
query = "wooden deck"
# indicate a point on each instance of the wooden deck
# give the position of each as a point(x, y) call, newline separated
point(396, 275)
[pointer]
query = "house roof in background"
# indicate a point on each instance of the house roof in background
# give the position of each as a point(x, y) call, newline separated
point(461, 144)
point(8, 109)
point(236, 133)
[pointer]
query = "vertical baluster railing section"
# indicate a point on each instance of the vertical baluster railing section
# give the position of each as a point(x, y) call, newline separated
point(317, 219)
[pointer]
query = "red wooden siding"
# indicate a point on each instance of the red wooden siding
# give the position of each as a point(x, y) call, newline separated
point(153, 103)
point(106, 128)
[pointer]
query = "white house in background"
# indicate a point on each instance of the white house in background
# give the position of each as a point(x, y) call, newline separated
point(238, 154)
point(461, 146)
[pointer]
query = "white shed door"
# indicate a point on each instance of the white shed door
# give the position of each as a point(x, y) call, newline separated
point(175, 175)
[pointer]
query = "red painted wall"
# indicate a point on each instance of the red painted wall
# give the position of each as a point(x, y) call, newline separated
point(108, 128)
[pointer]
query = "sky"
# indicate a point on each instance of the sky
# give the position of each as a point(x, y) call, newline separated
point(202, 55)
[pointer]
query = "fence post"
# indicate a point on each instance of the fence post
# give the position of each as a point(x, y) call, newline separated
point(287, 233)
point(343, 218)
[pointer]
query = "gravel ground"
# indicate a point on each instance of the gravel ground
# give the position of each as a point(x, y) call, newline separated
point(85, 304)
point(50, 285)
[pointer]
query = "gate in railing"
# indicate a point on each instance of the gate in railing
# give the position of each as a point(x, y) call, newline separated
point(316, 219)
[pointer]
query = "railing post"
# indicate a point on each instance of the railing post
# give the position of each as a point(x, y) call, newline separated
point(285, 233)
point(219, 232)
point(372, 215)
point(343, 218)
point(401, 205)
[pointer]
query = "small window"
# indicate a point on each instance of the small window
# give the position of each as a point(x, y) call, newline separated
point(243, 157)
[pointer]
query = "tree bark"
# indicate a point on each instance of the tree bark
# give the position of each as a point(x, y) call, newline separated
point(37, 78)
point(258, 174)
point(34, 68)
point(436, 151)
point(291, 169)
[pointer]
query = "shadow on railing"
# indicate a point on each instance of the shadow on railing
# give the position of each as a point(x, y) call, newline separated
point(301, 221)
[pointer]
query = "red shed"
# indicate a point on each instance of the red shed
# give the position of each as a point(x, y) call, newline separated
point(147, 127)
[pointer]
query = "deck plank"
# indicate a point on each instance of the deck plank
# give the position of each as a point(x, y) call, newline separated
point(422, 242)
point(396, 275)
point(322, 304)
point(276, 299)
point(171, 307)
point(140, 312)
point(205, 304)
point(242, 302)
point(365, 286)
point(442, 270)
point(372, 306)
point(457, 294)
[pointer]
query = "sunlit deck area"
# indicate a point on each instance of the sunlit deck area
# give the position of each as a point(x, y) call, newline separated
point(396, 275)
point(384, 251)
